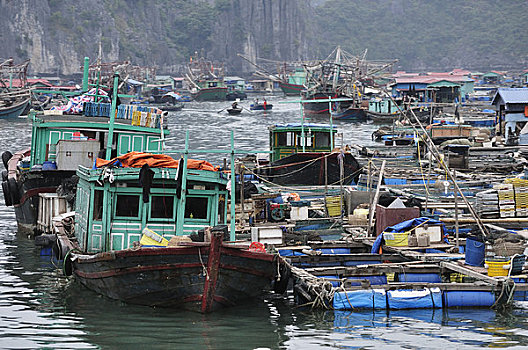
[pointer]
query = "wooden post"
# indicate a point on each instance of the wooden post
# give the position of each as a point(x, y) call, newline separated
point(456, 216)
point(242, 195)
point(183, 197)
point(213, 266)
point(372, 207)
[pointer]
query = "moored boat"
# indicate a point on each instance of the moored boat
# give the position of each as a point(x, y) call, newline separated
point(303, 154)
point(13, 109)
point(130, 241)
point(61, 142)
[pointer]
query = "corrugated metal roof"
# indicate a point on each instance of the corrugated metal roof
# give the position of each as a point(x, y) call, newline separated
point(511, 95)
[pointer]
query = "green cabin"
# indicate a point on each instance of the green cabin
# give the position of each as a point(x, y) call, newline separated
point(116, 220)
point(288, 139)
point(383, 105)
point(70, 140)
point(297, 77)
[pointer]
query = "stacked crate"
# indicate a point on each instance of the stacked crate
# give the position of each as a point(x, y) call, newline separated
point(487, 204)
point(506, 199)
point(521, 195)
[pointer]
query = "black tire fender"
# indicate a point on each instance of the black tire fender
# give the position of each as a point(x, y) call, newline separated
point(280, 284)
point(5, 158)
point(67, 265)
point(13, 191)
point(7, 195)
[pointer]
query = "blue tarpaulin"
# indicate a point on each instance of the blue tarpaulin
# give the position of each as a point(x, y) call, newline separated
point(402, 227)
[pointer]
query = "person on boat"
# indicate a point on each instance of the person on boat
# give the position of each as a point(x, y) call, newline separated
point(265, 104)
point(234, 105)
point(256, 102)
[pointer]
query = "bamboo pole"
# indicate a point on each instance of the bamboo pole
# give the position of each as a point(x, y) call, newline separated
point(436, 154)
point(232, 197)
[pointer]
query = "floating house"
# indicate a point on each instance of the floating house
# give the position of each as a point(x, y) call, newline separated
point(511, 105)
point(433, 87)
point(524, 77)
point(493, 77)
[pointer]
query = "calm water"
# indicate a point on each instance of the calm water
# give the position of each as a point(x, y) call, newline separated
point(40, 308)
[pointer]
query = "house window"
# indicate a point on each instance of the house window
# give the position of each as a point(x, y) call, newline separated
point(127, 205)
point(196, 207)
point(162, 207)
point(98, 205)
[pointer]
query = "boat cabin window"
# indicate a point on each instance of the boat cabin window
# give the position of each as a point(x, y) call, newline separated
point(285, 139)
point(127, 205)
point(322, 139)
point(162, 207)
point(98, 205)
point(196, 207)
point(213, 84)
point(308, 137)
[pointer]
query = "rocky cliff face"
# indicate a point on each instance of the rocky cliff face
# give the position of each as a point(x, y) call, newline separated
point(57, 34)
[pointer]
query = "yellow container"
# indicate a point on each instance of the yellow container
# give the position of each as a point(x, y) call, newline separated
point(497, 267)
point(395, 239)
point(151, 238)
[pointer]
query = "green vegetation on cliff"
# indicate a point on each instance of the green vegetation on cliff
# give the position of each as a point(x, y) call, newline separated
point(425, 34)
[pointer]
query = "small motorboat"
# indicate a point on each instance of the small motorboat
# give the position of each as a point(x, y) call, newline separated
point(260, 106)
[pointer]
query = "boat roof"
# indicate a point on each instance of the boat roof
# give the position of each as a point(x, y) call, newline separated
point(299, 126)
point(167, 175)
point(84, 122)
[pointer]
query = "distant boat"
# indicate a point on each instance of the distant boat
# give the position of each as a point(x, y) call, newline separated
point(234, 111)
point(13, 103)
point(15, 110)
point(207, 81)
point(260, 106)
point(295, 83)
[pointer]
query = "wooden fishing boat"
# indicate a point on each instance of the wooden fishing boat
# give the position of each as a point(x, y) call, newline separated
point(209, 91)
point(290, 89)
point(120, 246)
point(350, 114)
point(14, 110)
point(309, 162)
point(206, 80)
point(295, 82)
point(234, 111)
point(60, 143)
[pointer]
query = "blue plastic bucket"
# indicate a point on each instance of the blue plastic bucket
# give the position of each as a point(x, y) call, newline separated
point(475, 252)
point(49, 165)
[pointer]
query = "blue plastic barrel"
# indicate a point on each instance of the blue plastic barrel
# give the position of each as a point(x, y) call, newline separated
point(466, 298)
point(419, 277)
point(475, 252)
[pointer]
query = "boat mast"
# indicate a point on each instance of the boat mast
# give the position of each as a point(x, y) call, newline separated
point(86, 70)
point(112, 118)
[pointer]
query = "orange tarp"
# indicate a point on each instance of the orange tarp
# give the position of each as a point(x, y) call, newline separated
point(138, 159)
